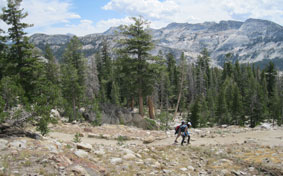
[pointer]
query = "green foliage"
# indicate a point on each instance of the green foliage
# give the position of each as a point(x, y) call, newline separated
point(165, 118)
point(3, 114)
point(121, 140)
point(10, 91)
point(150, 124)
point(98, 114)
point(136, 47)
point(195, 116)
point(77, 138)
point(43, 126)
point(74, 78)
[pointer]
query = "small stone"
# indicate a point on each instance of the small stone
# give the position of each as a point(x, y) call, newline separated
point(183, 169)
point(84, 146)
point(156, 165)
point(236, 173)
point(129, 156)
point(79, 170)
point(99, 153)
point(224, 126)
point(166, 171)
point(191, 168)
point(116, 161)
point(92, 135)
point(81, 153)
point(106, 136)
point(225, 172)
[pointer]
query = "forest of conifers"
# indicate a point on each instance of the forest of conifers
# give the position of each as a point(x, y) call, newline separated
point(239, 94)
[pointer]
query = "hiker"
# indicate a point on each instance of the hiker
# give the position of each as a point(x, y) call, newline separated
point(184, 132)
point(189, 137)
point(178, 132)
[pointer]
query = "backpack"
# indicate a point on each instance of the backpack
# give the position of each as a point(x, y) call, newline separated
point(177, 129)
point(183, 128)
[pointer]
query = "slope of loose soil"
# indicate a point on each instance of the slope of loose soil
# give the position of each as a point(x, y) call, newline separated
point(119, 150)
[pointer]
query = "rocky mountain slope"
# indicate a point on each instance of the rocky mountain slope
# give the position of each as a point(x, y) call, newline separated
point(121, 150)
point(252, 41)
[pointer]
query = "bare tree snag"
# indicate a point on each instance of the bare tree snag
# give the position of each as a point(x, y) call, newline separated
point(151, 108)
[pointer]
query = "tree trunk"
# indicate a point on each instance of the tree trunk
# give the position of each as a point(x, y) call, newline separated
point(140, 103)
point(74, 109)
point(180, 93)
point(132, 103)
point(151, 108)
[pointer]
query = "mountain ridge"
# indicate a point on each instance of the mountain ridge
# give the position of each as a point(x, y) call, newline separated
point(251, 41)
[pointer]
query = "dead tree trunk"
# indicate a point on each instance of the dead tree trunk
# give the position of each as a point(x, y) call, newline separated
point(140, 103)
point(132, 103)
point(151, 108)
point(180, 92)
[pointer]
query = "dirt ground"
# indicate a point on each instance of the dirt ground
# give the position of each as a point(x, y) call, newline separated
point(272, 137)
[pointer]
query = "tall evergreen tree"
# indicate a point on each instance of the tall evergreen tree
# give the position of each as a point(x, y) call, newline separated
point(137, 44)
point(74, 78)
point(20, 49)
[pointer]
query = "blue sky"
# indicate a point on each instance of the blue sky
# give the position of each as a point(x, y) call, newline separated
point(83, 17)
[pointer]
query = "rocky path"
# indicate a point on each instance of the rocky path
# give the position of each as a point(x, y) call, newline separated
point(262, 137)
point(127, 151)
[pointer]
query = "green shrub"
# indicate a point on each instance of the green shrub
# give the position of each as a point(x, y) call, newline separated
point(150, 124)
point(77, 138)
point(43, 126)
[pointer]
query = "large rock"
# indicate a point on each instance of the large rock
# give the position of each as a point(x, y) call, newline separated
point(116, 161)
point(3, 144)
point(267, 126)
point(112, 114)
point(84, 146)
point(19, 144)
point(149, 140)
point(54, 113)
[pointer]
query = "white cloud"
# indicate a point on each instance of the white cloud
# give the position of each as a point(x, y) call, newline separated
point(45, 13)
point(87, 27)
point(56, 16)
point(194, 11)
point(151, 8)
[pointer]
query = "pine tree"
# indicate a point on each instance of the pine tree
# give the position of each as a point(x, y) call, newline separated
point(195, 116)
point(106, 73)
point(13, 15)
point(52, 68)
point(222, 110)
point(237, 106)
point(74, 78)
point(20, 60)
point(137, 44)
point(270, 78)
point(173, 78)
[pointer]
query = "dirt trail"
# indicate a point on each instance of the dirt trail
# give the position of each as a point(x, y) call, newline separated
point(264, 137)
point(271, 137)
